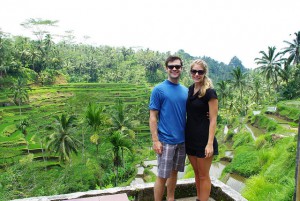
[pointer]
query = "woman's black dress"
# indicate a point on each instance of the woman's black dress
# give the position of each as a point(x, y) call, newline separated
point(197, 126)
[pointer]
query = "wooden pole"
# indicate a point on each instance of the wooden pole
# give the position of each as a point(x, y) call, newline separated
point(297, 176)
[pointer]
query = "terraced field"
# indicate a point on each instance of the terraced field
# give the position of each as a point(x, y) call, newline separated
point(46, 102)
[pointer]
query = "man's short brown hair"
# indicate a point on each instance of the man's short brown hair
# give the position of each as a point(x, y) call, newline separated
point(173, 58)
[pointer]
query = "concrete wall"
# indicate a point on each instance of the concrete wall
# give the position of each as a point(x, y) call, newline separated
point(185, 188)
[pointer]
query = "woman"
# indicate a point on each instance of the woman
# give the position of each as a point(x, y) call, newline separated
point(201, 143)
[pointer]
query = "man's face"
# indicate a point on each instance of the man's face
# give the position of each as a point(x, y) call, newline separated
point(174, 69)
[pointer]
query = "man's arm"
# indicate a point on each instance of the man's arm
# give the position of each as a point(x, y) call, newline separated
point(157, 146)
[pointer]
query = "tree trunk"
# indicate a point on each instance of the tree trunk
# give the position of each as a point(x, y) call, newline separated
point(297, 176)
point(20, 107)
point(83, 158)
point(27, 146)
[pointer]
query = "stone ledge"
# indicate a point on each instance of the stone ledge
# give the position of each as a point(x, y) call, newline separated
point(144, 192)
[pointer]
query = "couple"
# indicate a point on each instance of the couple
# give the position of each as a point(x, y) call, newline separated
point(179, 125)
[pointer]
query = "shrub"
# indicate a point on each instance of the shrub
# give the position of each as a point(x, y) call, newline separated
point(289, 110)
point(242, 138)
point(149, 176)
point(260, 142)
point(9, 130)
point(264, 122)
point(245, 162)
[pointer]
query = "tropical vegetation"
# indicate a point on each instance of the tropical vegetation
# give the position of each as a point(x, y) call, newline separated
point(74, 116)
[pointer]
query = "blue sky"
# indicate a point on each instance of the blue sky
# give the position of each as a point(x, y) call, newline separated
point(216, 28)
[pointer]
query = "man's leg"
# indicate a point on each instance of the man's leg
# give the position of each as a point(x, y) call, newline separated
point(159, 188)
point(171, 185)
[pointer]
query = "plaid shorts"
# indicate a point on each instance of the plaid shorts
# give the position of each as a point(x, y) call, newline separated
point(172, 158)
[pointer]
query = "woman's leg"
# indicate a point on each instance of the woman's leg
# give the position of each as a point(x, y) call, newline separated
point(203, 165)
point(193, 161)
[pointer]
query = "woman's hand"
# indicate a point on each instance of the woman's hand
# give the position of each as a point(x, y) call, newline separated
point(209, 150)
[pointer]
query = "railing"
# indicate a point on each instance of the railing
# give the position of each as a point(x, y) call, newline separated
point(144, 192)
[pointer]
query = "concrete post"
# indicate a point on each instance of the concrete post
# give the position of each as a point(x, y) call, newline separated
point(297, 174)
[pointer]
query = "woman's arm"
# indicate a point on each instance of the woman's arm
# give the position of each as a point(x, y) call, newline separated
point(213, 113)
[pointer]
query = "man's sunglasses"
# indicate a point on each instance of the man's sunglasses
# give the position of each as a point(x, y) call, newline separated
point(172, 66)
point(200, 72)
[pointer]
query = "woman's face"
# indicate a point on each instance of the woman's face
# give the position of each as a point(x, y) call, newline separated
point(197, 73)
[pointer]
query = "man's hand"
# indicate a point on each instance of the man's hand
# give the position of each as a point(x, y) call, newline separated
point(157, 147)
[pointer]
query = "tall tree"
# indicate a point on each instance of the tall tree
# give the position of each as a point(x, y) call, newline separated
point(225, 94)
point(20, 92)
point(39, 27)
point(223, 91)
point(95, 119)
point(257, 88)
point(293, 49)
point(5, 53)
point(121, 120)
point(119, 142)
point(270, 65)
point(63, 141)
point(239, 82)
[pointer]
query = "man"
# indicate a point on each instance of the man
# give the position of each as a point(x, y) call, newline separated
point(167, 125)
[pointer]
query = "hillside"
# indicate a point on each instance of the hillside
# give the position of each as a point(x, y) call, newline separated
point(24, 152)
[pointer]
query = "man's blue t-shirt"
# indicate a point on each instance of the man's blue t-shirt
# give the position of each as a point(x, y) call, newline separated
point(169, 100)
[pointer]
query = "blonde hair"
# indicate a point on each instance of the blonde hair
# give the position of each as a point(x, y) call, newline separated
point(206, 83)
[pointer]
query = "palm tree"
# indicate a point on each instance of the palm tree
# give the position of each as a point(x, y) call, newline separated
point(223, 91)
point(257, 89)
point(270, 65)
point(239, 82)
point(23, 127)
point(119, 142)
point(122, 121)
point(20, 92)
point(3, 70)
point(63, 140)
point(293, 49)
point(95, 119)
point(286, 72)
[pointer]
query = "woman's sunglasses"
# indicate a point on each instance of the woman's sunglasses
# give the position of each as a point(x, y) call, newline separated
point(200, 72)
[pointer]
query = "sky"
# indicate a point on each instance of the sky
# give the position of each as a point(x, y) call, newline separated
point(220, 29)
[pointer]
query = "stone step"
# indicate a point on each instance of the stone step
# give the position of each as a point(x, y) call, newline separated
point(192, 199)
point(116, 197)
